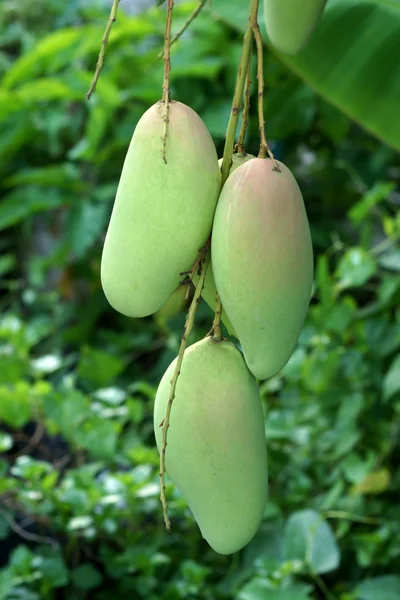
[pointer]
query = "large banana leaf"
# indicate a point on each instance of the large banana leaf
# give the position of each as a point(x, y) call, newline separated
point(352, 59)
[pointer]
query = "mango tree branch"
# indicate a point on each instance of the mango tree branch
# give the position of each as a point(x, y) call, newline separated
point(264, 148)
point(185, 25)
point(203, 265)
point(104, 42)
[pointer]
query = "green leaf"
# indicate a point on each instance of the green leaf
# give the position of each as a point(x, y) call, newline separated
point(386, 587)
point(260, 589)
point(308, 537)
point(160, 2)
point(86, 577)
point(6, 442)
point(51, 53)
point(351, 60)
point(15, 408)
point(391, 381)
point(98, 368)
point(355, 268)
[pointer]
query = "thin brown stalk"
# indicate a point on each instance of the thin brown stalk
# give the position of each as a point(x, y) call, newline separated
point(203, 265)
point(104, 42)
point(264, 147)
point(246, 110)
point(166, 96)
point(185, 25)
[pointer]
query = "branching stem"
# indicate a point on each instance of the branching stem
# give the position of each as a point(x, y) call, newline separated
point(167, 69)
point(185, 25)
point(238, 94)
point(203, 265)
point(264, 147)
point(104, 42)
point(246, 109)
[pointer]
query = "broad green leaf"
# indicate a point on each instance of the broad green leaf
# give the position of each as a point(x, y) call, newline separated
point(386, 587)
point(6, 442)
point(23, 202)
point(86, 576)
point(351, 60)
point(391, 381)
point(308, 537)
point(15, 409)
point(53, 51)
point(376, 482)
point(260, 589)
point(355, 268)
point(99, 368)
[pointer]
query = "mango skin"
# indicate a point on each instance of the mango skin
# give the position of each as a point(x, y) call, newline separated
point(210, 289)
point(216, 450)
point(263, 262)
point(162, 213)
point(290, 23)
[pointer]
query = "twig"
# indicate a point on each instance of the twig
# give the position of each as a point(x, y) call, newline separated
point(341, 514)
point(238, 93)
point(246, 109)
point(165, 422)
point(322, 586)
point(33, 442)
point(31, 537)
point(104, 42)
point(184, 26)
point(166, 97)
point(264, 148)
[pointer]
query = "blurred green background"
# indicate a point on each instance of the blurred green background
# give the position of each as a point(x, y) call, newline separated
point(79, 510)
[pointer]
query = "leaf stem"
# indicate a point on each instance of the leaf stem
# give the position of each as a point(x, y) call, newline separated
point(185, 25)
point(203, 265)
point(264, 147)
point(166, 96)
point(246, 109)
point(104, 42)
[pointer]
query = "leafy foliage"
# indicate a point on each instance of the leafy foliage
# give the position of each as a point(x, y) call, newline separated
point(79, 508)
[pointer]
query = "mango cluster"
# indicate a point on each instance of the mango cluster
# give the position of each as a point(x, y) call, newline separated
point(165, 210)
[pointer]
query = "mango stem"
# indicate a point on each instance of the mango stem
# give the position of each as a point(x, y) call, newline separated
point(203, 266)
point(185, 25)
point(246, 109)
point(104, 42)
point(166, 96)
point(264, 147)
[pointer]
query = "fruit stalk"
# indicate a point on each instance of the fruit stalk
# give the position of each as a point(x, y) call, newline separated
point(238, 94)
point(246, 110)
point(264, 147)
point(203, 265)
point(167, 69)
point(185, 25)
point(104, 42)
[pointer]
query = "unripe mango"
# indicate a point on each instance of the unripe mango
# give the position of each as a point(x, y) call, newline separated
point(216, 449)
point(162, 213)
point(263, 262)
point(173, 306)
point(209, 289)
point(290, 23)
point(237, 159)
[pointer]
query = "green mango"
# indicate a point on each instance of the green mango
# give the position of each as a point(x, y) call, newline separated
point(216, 450)
point(209, 290)
point(263, 262)
point(162, 213)
point(290, 23)
point(237, 160)
point(173, 306)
